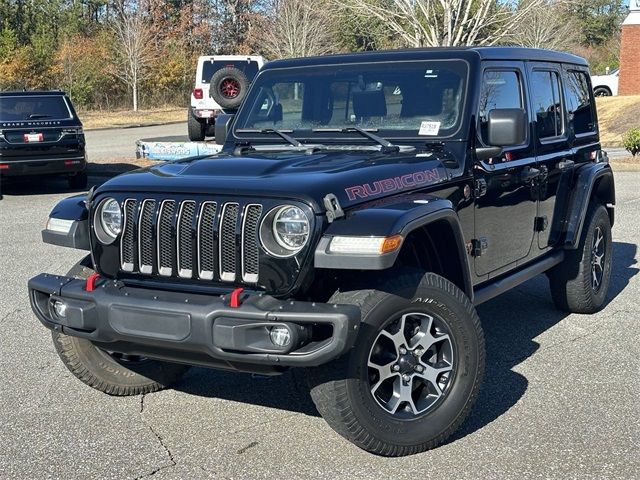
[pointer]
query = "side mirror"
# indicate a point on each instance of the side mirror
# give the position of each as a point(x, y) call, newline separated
point(222, 126)
point(507, 127)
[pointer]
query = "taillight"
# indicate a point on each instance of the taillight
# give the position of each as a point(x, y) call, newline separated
point(197, 93)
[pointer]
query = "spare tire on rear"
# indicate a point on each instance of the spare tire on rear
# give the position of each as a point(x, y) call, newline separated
point(228, 87)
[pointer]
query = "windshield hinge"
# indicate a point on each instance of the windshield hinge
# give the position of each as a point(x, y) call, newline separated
point(334, 210)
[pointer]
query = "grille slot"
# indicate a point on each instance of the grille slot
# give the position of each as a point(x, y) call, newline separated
point(250, 252)
point(128, 242)
point(206, 240)
point(228, 225)
point(146, 250)
point(165, 238)
point(185, 239)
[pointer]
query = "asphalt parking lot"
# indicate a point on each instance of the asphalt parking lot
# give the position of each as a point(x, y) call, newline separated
point(561, 397)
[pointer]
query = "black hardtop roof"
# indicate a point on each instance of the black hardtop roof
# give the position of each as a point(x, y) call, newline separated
point(23, 93)
point(484, 53)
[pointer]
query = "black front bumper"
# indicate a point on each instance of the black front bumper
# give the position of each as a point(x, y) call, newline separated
point(194, 328)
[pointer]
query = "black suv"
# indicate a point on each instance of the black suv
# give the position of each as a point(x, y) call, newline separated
point(361, 207)
point(41, 134)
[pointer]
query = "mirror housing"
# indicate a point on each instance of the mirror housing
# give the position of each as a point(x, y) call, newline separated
point(507, 127)
point(222, 126)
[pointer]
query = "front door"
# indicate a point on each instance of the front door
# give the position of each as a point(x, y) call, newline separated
point(506, 197)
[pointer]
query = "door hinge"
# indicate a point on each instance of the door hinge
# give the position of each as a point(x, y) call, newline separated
point(479, 187)
point(479, 246)
point(540, 224)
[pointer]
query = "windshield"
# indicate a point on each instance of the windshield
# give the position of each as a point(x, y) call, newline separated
point(33, 107)
point(420, 98)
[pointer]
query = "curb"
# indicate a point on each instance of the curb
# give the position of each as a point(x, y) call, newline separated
point(137, 125)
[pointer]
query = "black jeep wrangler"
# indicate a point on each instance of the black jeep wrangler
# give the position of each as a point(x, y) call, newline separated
point(360, 208)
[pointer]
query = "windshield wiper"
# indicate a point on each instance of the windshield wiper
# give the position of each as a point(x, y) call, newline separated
point(387, 146)
point(280, 133)
point(38, 115)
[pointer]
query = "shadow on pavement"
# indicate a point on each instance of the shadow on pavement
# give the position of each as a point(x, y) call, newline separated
point(509, 332)
point(27, 186)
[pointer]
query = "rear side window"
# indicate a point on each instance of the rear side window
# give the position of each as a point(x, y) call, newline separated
point(250, 69)
point(34, 108)
point(545, 95)
point(579, 104)
point(500, 89)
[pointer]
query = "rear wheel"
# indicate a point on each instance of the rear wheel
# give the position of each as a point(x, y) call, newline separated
point(415, 370)
point(78, 181)
point(111, 372)
point(602, 92)
point(580, 283)
point(195, 128)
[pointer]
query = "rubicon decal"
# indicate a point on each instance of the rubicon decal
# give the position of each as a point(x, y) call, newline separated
point(393, 184)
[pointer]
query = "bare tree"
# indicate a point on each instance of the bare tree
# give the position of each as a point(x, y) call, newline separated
point(433, 23)
point(133, 48)
point(299, 28)
point(547, 27)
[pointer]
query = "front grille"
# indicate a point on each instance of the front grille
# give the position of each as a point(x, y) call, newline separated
point(203, 240)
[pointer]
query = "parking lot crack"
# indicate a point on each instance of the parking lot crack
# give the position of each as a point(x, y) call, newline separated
point(172, 462)
point(13, 312)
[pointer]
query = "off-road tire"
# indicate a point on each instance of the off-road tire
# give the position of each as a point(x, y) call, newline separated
point(341, 390)
point(571, 284)
point(602, 92)
point(102, 371)
point(78, 181)
point(195, 128)
point(217, 82)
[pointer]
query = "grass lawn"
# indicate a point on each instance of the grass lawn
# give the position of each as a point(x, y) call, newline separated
point(616, 115)
point(92, 119)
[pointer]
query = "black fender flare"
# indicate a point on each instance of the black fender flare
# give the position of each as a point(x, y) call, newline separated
point(388, 219)
point(74, 210)
point(590, 179)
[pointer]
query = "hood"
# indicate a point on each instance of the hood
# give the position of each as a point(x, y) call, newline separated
point(352, 176)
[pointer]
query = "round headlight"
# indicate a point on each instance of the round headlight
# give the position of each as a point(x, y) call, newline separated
point(108, 221)
point(285, 231)
point(291, 228)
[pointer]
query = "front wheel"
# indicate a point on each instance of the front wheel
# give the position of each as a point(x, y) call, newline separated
point(415, 370)
point(111, 372)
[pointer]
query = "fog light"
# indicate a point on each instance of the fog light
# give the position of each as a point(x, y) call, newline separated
point(60, 308)
point(280, 336)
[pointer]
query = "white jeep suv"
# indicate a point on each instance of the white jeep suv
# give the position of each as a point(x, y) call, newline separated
point(221, 84)
point(606, 85)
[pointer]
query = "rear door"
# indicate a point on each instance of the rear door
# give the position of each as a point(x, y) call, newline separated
point(551, 139)
point(505, 205)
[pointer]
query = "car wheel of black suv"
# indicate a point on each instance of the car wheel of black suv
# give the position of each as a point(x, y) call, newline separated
point(195, 128)
point(78, 181)
point(580, 283)
point(110, 372)
point(415, 370)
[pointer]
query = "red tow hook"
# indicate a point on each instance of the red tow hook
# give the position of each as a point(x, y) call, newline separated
point(91, 282)
point(235, 298)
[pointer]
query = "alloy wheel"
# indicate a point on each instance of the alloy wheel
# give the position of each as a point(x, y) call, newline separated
point(411, 365)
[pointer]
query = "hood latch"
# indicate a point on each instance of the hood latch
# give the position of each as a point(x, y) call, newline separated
point(334, 210)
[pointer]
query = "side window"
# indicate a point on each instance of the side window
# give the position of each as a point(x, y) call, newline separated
point(500, 89)
point(545, 95)
point(579, 104)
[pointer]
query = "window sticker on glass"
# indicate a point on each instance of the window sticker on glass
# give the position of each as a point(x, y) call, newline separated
point(431, 74)
point(429, 128)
